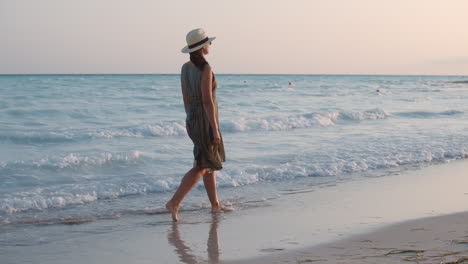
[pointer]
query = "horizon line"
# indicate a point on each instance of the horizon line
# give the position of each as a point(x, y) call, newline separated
point(310, 74)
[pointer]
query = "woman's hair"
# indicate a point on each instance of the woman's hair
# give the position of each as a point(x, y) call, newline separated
point(198, 59)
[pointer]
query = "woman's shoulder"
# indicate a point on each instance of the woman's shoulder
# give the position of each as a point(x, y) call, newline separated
point(185, 69)
point(186, 65)
point(190, 66)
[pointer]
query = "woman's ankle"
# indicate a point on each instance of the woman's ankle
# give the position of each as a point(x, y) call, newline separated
point(172, 203)
point(216, 204)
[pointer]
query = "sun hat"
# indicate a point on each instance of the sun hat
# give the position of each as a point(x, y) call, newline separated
point(196, 39)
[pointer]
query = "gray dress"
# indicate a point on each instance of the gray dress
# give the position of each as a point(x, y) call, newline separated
point(197, 122)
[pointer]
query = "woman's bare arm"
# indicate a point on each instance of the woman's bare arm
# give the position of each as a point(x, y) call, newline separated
point(184, 96)
point(206, 89)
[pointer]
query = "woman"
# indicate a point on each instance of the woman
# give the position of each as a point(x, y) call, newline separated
point(202, 123)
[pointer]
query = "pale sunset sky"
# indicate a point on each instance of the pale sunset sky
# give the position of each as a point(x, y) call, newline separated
point(416, 37)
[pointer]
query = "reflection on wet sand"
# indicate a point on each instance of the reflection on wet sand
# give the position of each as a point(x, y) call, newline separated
point(185, 253)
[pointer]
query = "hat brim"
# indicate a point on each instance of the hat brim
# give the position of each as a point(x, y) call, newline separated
point(187, 50)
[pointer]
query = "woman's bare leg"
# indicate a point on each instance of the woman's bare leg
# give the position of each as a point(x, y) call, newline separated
point(190, 179)
point(209, 179)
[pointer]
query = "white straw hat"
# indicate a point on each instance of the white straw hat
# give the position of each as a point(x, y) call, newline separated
point(196, 39)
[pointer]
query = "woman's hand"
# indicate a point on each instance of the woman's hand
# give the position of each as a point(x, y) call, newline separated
point(216, 138)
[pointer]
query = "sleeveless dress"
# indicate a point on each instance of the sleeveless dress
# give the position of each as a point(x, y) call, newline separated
point(197, 123)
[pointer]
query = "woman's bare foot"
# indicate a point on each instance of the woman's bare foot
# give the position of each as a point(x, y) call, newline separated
point(174, 210)
point(221, 209)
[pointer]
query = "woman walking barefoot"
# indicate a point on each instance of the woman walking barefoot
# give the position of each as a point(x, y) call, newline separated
point(202, 123)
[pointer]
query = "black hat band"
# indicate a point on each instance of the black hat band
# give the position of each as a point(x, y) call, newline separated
point(198, 43)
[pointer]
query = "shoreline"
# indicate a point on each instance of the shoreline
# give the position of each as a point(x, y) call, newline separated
point(291, 228)
point(354, 208)
point(437, 236)
point(253, 74)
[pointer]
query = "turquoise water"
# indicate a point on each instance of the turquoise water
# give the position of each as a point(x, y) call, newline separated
point(100, 146)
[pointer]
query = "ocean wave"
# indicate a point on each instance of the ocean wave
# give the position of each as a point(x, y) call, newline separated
point(38, 137)
point(301, 121)
point(428, 114)
point(334, 166)
point(148, 130)
point(174, 128)
point(21, 113)
point(75, 161)
point(41, 199)
point(39, 202)
point(162, 129)
point(177, 128)
point(75, 135)
point(62, 196)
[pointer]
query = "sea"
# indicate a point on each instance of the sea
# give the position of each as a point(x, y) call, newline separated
point(86, 148)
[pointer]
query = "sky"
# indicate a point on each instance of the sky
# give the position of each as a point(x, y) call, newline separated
point(415, 37)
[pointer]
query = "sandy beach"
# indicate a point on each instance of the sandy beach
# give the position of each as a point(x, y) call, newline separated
point(440, 239)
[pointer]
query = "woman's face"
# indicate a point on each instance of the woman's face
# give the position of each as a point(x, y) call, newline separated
point(206, 49)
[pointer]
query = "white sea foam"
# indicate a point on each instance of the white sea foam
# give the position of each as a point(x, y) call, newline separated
point(301, 121)
point(65, 196)
point(148, 130)
point(74, 160)
point(37, 201)
point(73, 135)
point(230, 177)
point(271, 123)
point(334, 166)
